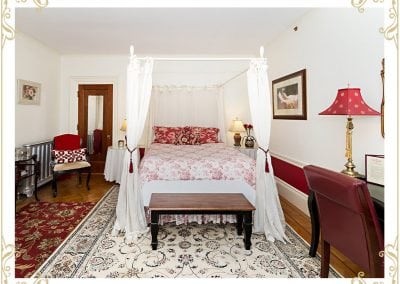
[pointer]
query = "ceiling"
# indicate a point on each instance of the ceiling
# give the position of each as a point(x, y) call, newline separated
point(169, 31)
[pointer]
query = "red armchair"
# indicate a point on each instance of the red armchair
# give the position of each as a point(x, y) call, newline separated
point(348, 219)
point(68, 157)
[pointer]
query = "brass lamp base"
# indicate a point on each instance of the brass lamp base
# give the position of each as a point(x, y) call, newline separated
point(237, 138)
point(350, 169)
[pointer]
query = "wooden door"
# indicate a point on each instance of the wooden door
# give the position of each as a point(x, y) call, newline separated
point(95, 113)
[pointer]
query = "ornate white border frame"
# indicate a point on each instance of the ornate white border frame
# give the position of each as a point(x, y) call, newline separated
point(390, 33)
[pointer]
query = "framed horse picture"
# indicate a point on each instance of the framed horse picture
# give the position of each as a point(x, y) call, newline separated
point(289, 96)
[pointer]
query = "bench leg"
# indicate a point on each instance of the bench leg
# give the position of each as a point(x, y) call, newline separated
point(248, 224)
point(239, 223)
point(154, 229)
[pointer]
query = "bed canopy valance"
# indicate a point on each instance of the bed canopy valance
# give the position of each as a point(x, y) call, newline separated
point(130, 213)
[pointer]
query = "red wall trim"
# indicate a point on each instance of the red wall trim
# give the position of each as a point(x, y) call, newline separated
point(290, 173)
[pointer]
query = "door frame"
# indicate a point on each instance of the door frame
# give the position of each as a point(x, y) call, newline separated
point(73, 102)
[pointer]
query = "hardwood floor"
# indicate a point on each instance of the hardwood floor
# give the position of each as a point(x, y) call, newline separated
point(69, 191)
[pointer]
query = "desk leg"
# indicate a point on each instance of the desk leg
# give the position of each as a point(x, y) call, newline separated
point(239, 223)
point(312, 208)
point(154, 229)
point(248, 224)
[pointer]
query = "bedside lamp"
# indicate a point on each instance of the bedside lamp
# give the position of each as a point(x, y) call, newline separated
point(123, 129)
point(349, 102)
point(237, 127)
point(123, 126)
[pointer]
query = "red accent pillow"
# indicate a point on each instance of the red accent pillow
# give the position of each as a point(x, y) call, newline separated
point(187, 137)
point(69, 156)
point(166, 135)
point(206, 134)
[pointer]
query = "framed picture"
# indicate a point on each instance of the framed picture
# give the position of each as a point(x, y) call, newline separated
point(289, 96)
point(374, 169)
point(28, 92)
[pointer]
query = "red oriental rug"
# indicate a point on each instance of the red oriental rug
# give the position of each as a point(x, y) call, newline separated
point(40, 228)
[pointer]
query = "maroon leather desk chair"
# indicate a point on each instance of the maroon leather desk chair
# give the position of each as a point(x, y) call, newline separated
point(347, 218)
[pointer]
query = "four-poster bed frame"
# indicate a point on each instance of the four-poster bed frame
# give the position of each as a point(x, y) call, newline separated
point(269, 217)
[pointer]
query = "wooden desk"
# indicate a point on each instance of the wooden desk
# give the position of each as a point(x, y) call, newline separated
point(26, 167)
point(202, 203)
point(377, 195)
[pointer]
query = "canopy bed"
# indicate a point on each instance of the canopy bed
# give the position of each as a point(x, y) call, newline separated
point(137, 184)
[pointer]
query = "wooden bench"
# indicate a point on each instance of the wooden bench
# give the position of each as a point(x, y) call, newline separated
point(202, 203)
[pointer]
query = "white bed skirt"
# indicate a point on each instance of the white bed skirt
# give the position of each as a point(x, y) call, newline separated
point(197, 186)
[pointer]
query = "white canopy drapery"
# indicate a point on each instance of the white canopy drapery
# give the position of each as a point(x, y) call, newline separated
point(130, 209)
point(187, 105)
point(268, 216)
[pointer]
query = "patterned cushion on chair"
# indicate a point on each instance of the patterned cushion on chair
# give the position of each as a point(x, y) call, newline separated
point(69, 156)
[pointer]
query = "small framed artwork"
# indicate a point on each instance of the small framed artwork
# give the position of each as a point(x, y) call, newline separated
point(374, 169)
point(289, 96)
point(28, 92)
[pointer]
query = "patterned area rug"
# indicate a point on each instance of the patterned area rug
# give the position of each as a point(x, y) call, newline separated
point(210, 250)
point(40, 228)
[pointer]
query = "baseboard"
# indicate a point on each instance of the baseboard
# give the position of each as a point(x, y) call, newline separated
point(294, 196)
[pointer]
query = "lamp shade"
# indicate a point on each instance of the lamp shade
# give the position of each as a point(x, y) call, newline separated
point(123, 126)
point(237, 126)
point(349, 102)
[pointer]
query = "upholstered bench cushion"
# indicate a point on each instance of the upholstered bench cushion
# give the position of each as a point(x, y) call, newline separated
point(70, 166)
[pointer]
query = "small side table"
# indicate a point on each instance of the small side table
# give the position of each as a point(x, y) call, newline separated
point(114, 163)
point(27, 167)
point(251, 152)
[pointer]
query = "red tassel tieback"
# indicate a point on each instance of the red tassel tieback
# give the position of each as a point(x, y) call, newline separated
point(130, 159)
point(266, 160)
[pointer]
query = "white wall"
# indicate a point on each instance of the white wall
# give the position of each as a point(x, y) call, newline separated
point(236, 103)
point(84, 69)
point(87, 69)
point(337, 47)
point(36, 62)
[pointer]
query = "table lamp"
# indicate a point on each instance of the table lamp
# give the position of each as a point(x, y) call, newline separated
point(123, 129)
point(237, 127)
point(349, 102)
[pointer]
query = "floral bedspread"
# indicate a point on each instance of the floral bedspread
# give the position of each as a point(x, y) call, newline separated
point(196, 162)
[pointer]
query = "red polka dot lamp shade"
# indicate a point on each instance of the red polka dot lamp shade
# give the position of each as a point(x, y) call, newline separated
point(349, 102)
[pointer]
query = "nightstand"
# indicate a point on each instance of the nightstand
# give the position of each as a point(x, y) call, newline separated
point(115, 162)
point(251, 152)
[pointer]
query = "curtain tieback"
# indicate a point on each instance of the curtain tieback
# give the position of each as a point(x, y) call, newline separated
point(266, 160)
point(130, 158)
point(264, 150)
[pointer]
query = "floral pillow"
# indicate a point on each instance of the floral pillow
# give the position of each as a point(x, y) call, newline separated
point(206, 134)
point(69, 156)
point(187, 137)
point(166, 135)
